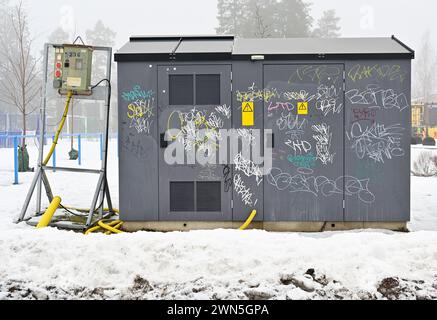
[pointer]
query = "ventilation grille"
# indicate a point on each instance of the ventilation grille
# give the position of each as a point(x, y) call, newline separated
point(209, 196)
point(181, 196)
point(195, 196)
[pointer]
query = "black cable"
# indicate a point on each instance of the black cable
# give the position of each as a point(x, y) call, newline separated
point(71, 212)
point(79, 38)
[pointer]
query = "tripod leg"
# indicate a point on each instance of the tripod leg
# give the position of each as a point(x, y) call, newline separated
point(95, 198)
point(29, 195)
point(108, 197)
point(46, 183)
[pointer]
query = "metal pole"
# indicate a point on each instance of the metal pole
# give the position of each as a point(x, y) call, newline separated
point(101, 146)
point(54, 157)
point(79, 150)
point(15, 160)
point(43, 124)
point(106, 132)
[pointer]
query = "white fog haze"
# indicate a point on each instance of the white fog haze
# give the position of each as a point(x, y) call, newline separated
point(408, 20)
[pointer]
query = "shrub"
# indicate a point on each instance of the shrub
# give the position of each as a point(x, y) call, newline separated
point(425, 165)
point(429, 142)
point(416, 140)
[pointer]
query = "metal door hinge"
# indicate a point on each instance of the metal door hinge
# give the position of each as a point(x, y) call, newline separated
point(232, 204)
point(344, 204)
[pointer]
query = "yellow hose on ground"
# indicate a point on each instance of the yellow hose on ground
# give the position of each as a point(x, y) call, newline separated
point(48, 215)
point(58, 132)
point(108, 227)
point(248, 221)
point(111, 227)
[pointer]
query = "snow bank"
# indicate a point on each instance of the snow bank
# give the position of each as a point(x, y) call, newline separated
point(220, 264)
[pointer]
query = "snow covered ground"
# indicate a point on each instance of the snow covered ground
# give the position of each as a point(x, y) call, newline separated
point(221, 264)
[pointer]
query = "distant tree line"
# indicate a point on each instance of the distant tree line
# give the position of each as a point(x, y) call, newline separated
point(274, 19)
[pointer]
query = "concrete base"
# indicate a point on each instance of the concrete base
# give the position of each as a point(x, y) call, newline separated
point(286, 226)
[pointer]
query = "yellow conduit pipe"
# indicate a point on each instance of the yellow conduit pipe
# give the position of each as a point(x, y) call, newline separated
point(90, 230)
point(111, 227)
point(118, 226)
point(249, 220)
point(108, 227)
point(58, 132)
point(48, 215)
point(95, 228)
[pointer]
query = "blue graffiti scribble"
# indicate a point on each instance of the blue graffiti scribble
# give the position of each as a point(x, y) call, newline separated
point(303, 161)
point(137, 93)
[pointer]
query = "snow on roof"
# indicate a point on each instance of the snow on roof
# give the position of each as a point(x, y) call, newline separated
point(231, 47)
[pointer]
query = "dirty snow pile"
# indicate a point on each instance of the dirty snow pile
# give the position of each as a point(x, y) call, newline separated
point(219, 264)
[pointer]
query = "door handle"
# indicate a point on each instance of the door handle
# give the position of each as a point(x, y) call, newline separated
point(163, 143)
point(273, 140)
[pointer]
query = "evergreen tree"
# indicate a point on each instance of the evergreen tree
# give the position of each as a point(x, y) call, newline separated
point(101, 35)
point(59, 36)
point(264, 18)
point(292, 19)
point(327, 25)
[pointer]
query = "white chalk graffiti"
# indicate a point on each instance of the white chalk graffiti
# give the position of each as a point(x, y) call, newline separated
point(249, 168)
point(224, 110)
point(294, 125)
point(243, 191)
point(377, 141)
point(208, 173)
point(299, 146)
point(304, 181)
point(247, 136)
point(323, 139)
point(327, 97)
point(375, 97)
point(195, 122)
point(298, 95)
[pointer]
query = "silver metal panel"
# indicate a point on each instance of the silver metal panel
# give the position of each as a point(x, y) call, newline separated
point(172, 117)
point(138, 132)
point(205, 46)
point(306, 182)
point(152, 46)
point(246, 78)
point(317, 46)
point(377, 142)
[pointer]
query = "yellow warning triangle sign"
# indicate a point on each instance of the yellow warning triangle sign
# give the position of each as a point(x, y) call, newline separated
point(248, 108)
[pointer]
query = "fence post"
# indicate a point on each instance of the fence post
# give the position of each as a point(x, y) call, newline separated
point(15, 160)
point(79, 151)
point(101, 147)
point(54, 157)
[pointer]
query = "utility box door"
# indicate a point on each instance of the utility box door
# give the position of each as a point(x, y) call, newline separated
point(193, 98)
point(304, 108)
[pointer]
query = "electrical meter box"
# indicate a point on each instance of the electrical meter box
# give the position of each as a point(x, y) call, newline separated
point(72, 69)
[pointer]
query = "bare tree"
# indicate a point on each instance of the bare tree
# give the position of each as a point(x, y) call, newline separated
point(425, 69)
point(262, 29)
point(19, 82)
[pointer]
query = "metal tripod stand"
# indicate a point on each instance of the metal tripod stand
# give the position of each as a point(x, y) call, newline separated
point(40, 180)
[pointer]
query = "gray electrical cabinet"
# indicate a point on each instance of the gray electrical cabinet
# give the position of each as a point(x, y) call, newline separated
point(337, 113)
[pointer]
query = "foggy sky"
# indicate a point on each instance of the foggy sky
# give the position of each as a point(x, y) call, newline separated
point(407, 19)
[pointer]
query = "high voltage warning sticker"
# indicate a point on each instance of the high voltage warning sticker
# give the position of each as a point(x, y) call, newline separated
point(248, 115)
point(302, 108)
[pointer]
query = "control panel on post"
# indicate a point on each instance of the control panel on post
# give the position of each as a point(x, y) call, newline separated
point(72, 70)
